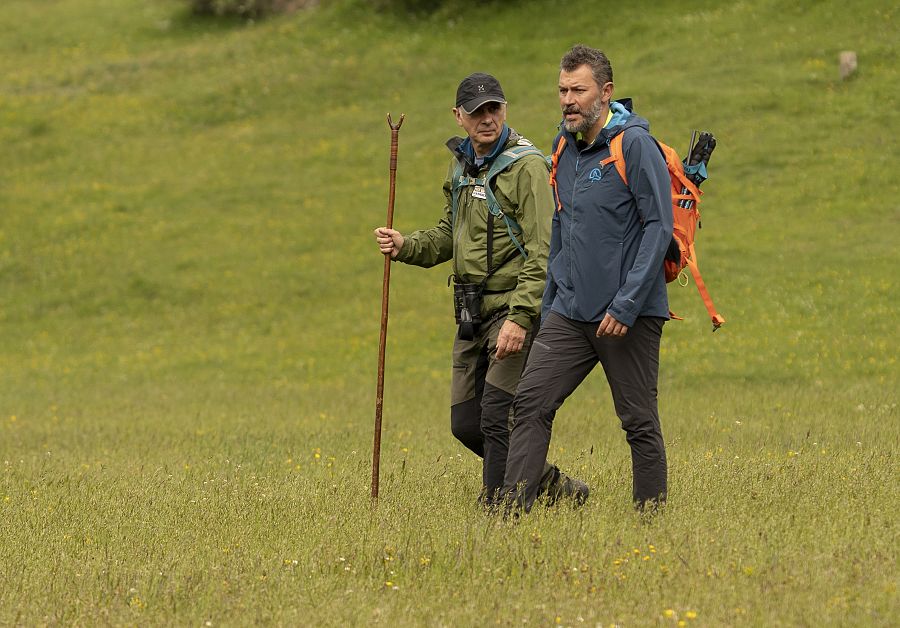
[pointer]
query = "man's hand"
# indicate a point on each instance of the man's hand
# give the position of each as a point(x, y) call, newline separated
point(511, 339)
point(611, 327)
point(389, 241)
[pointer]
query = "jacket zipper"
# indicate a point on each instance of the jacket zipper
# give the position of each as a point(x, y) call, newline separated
point(456, 234)
point(572, 213)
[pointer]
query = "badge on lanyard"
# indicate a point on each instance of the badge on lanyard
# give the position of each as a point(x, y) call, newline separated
point(478, 192)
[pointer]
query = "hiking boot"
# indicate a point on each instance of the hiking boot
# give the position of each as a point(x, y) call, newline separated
point(649, 509)
point(574, 489)
point(490, 503)
point(566, 487)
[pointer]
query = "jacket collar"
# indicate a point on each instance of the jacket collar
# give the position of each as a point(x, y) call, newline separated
point(621, 111)
point(463, 150)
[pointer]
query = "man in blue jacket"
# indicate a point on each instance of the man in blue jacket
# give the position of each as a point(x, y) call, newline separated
point(605, 300)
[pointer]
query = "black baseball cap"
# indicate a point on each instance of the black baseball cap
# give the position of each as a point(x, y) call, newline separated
point(477, 89)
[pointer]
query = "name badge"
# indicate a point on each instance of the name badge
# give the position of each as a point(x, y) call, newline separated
point(478, 192)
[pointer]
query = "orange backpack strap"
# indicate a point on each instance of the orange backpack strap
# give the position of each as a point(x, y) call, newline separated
point(554, 166)
point(717, 319)
point(617, 157)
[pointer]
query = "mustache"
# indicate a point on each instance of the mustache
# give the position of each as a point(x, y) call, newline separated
point(572, 109)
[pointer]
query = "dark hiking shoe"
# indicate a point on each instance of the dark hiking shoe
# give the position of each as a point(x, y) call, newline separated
point(491, 504)
point(649, 509)
point(575, 489)
point(565, 487)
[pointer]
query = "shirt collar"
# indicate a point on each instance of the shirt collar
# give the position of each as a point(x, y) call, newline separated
point(466, 148)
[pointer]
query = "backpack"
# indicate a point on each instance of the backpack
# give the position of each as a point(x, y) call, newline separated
point(503, 161)
point(686, 194)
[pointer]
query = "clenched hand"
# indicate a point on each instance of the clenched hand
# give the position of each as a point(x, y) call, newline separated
point(390, 241)
point(511, 339)
point(609, 326)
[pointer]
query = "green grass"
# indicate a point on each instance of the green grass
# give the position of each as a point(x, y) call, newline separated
point(190, 310)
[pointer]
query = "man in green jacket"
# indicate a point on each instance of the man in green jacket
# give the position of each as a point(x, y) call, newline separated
point(499, 267)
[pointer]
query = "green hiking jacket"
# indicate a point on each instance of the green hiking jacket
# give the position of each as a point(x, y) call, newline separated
point(523, 191)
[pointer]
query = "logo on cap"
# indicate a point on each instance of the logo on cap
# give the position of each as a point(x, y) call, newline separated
point(477, 89)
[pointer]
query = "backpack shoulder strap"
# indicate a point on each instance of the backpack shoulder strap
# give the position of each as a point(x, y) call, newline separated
point(503, 161)
point(554, 166)
point(617, 156)
point(459, 181)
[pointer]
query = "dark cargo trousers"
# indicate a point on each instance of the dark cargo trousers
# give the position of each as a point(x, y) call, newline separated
point(481, 395)
point(562, 355)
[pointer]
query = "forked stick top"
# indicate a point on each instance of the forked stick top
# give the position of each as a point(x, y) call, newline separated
point(395, 127)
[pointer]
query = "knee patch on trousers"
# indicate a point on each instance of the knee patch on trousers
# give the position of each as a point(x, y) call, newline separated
point(495, 410)
point(465, 424)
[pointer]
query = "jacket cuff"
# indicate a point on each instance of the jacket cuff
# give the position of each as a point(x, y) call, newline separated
point(521, 319)
point(405, 251)
point(626, 317)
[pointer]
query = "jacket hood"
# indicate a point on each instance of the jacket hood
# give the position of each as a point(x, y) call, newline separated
point(623, 118)
point(621, 113)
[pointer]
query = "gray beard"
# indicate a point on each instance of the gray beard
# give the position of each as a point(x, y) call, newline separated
point(588, 119)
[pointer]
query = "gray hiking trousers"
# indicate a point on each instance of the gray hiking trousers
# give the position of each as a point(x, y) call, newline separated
point(481, 398)
point(562, 355)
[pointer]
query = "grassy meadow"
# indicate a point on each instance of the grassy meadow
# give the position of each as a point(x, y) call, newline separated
point(190, 301)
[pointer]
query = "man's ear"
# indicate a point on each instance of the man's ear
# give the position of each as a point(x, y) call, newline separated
point(606, 91)
point(458, 115)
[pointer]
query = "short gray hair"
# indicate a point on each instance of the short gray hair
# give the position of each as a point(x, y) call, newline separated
point(581, 55)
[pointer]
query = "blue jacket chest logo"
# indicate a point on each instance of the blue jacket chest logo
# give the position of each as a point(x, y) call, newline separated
point(595, 175)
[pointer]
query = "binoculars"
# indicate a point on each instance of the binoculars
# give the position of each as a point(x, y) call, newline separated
point(467, 308)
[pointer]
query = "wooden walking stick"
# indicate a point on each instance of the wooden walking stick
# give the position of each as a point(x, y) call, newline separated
point(379, 394)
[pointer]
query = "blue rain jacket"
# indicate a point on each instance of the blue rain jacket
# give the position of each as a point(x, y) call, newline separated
point(609, 239)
